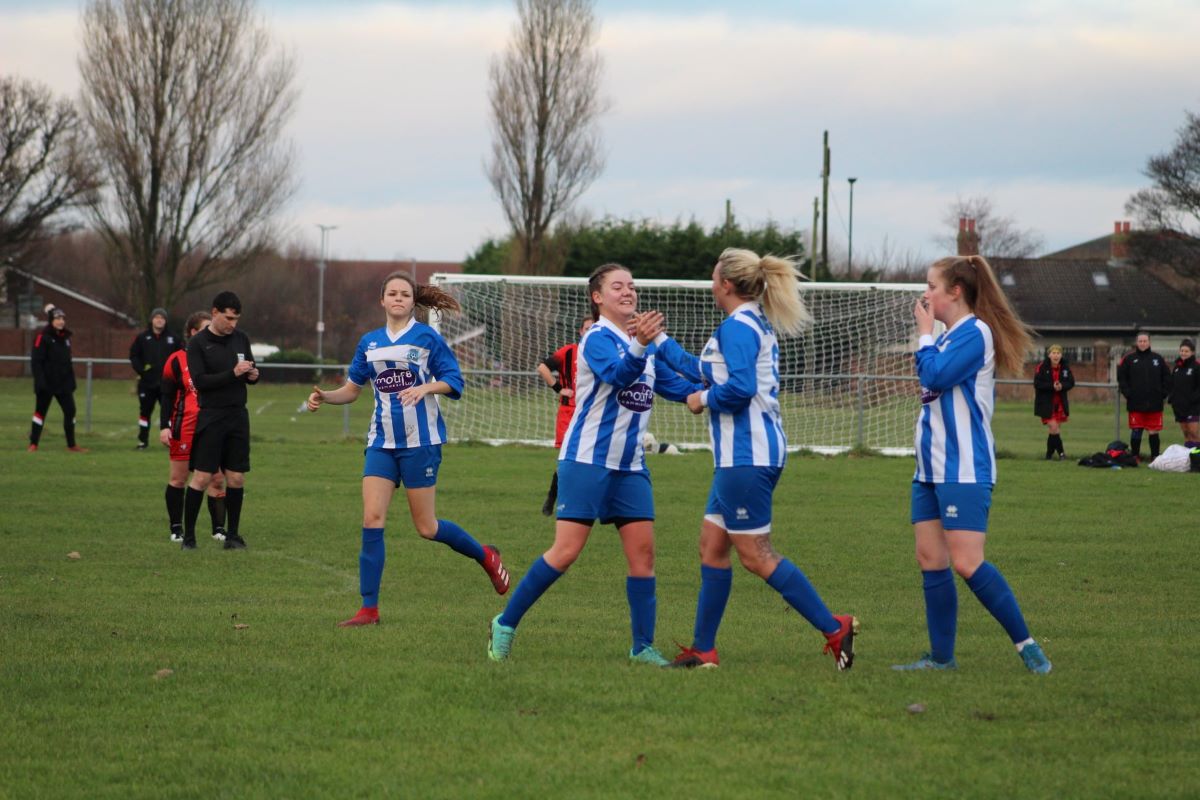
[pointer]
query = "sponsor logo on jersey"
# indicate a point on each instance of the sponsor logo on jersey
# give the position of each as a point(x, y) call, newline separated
point(928, 396)
point(391, 381)
point(639, 397)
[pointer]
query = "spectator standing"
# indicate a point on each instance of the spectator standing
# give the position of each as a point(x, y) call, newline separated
point(148, 355)
point(1051, 382)
point(1145, 382)
point(53, 378)
point(1185, 393)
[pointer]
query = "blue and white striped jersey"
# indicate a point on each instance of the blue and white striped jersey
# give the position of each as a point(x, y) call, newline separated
point(417, 355)
point(740, 367)
point(615, 383)
point(953, 441)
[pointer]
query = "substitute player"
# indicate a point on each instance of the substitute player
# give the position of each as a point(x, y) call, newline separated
point(558, 371)
point(956, 453)
point(219, 361)
point(1144, 378)
point(740, 368)
point(148, 355)
point(176, 430)
point(408, 364)
point(602, 468)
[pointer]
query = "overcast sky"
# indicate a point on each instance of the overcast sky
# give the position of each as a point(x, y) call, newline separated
point(1049, 107)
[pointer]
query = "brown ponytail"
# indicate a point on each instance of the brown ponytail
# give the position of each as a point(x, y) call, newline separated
point(424, 296)
point(1011, 337)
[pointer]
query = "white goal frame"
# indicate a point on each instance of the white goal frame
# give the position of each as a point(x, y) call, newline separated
point(846, 383)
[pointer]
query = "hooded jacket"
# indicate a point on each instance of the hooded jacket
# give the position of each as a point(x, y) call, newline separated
point(1043, 387)
point(51, 361)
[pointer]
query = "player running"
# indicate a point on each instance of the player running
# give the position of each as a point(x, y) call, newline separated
point(740, 368)
point(956, 453)
point(601, 468)
point(408, 364)
point(180, 407)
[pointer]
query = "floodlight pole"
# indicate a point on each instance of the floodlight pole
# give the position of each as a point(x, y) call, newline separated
point(325, 229)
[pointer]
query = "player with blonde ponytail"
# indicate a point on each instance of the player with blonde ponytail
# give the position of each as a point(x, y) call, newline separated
point(740, 370)
point(956, 453)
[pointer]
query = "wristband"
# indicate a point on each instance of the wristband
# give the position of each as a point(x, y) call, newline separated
point(557, 387)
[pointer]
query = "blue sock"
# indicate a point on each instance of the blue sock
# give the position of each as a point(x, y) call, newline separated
point(715, 583)
point(789, 581)
point(643, 611)
point(458, 540)
point(370, 566)
point(992, 590)
point(541, 576)
point(941, 612)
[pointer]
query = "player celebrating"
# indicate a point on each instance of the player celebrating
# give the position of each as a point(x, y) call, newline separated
point(740, 367)
point(956, 453)
point(561, 361)
point(408, 365)
point(180, 407)
point(601, 469)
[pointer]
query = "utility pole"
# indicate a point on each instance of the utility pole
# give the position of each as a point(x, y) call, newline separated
point(825, 213)
point(728, 215)
point(850, 246)
point(813, 253)
point(325, 229)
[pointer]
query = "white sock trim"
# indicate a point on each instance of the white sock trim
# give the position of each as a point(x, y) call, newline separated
point(1021, 645)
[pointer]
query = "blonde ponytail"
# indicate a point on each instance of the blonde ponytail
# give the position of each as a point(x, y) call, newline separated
point(771, 280)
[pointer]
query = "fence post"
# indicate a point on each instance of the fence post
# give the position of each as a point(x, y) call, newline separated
point(346, 420)
point(859, 392)
point(1117, 414)
point(87, 416)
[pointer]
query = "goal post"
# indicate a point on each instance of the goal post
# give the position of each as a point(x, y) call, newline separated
point(846, 382)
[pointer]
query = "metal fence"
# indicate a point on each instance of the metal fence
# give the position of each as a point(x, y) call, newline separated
point(859, 379)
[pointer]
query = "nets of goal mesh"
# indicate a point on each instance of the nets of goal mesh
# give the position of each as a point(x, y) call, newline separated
point(846, 382)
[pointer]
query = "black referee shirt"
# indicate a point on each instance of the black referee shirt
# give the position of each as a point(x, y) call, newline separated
point(211, 360)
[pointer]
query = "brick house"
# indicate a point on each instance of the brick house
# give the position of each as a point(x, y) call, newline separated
point(99, 331)
point(1092, 300)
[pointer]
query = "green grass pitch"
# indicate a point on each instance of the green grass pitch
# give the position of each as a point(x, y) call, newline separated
point(1103, 564)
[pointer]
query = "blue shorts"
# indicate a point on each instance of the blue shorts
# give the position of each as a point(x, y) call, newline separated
point(589, 492)
point(740, 499)
point(415, 467)
point(959, 506)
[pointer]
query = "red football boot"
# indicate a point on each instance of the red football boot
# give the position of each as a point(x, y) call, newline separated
point(691, 658)
point(494, 567)
point(841, 643)
point(365, 616)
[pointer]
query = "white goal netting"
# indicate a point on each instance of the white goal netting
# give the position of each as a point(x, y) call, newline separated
point(846, 382)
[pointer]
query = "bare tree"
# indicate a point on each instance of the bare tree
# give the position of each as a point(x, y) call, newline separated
point(999, 236)
point(45, 166)
point(187, 102)
point(545, 100)
point(1173, 202)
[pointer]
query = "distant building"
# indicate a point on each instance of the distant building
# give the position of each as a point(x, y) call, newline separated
point(100, 331)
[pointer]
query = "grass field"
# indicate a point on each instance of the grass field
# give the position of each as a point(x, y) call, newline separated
point(1103, 563)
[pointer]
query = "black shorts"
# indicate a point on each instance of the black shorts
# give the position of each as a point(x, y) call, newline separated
point(221, 441)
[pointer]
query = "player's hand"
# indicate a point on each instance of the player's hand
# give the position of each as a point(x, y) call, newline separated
point(412, 395)
point(649, 325)
point(924, 317)
point(315, 399)
point(164, 436)
point(694, 403)
point(566, 392)
point(242, 367)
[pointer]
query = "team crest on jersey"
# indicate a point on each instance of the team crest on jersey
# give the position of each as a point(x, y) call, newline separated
point(413, 355)
point(391, 381)
point(639, 397)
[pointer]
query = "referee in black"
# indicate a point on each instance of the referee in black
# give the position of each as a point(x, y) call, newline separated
point(221, 365)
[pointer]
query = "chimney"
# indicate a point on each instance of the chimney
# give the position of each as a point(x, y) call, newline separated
point(968, 239)
point(1120, 242)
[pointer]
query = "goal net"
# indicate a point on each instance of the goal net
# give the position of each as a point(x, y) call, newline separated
point(846, 382)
